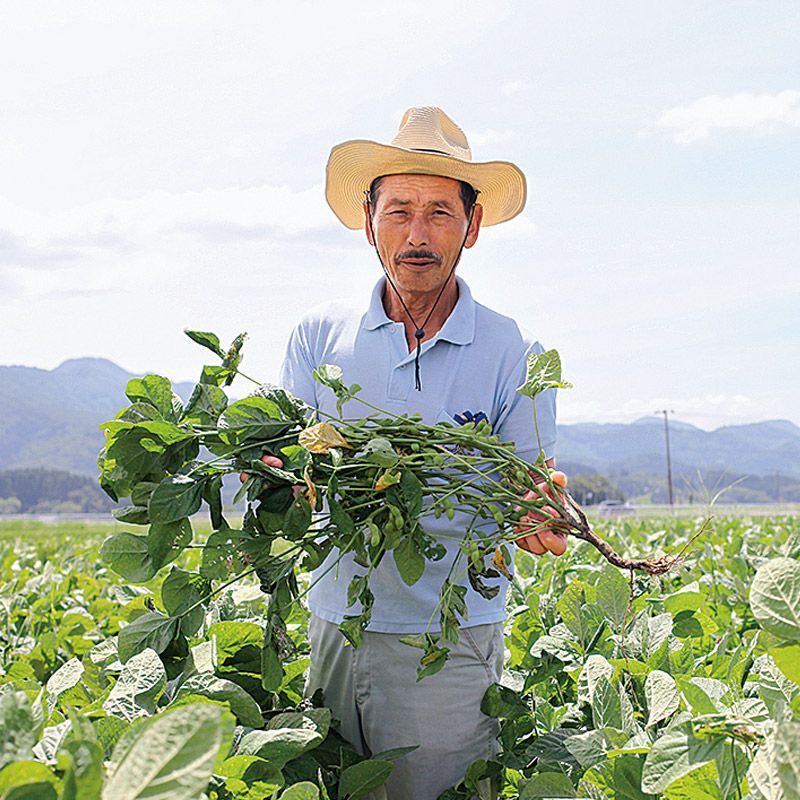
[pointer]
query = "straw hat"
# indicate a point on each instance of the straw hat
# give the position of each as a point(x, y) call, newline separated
point(428, 142)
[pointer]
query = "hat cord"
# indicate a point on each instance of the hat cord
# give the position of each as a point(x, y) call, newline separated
point(419, 332)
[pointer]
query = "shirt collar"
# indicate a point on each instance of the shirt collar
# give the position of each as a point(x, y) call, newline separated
point(459, 327)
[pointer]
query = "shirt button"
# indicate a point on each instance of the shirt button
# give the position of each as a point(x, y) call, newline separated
point(402, 366)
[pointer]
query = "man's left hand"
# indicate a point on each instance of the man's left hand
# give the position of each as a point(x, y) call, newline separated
point(544, 539)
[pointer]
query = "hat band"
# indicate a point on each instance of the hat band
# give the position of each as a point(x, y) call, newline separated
point(427, 150)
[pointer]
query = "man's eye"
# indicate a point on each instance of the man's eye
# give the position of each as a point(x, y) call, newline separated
point(441, 212)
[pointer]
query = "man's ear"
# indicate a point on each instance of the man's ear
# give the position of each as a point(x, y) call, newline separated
point(367, 228)
point(477, 217)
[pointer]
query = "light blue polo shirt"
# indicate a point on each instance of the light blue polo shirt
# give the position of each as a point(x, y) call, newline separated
point(474, 363)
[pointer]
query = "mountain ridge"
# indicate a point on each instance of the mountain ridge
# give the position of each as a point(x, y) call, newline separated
point(50, 418)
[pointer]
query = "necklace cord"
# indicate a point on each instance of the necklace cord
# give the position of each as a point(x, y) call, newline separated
point(419, 330)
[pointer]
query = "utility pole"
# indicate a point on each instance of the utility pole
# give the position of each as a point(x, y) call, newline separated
point(669, 460)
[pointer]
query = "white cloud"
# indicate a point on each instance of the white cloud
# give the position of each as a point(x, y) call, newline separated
point(744, 111)
point(234, 213)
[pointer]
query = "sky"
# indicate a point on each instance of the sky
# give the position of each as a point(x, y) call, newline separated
point(162, 166)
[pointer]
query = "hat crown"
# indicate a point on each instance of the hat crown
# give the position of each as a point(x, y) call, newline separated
point(428, 129)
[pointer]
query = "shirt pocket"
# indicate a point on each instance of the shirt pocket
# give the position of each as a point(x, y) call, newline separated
point(445, 416)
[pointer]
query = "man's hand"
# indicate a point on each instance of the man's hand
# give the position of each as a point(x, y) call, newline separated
point(544, 539)
point(270, 461)
point(273, 461)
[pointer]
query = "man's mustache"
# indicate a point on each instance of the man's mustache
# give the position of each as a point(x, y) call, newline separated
point(427, 255)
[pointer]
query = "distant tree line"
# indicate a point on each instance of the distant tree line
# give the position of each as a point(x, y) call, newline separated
point(589, 487)
point(41, 491)
point(702, 486)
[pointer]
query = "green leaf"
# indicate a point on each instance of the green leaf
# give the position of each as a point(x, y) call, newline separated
point(432, 661)
point(412, 490)
point(152, 390)
point(166, 540)
point(132, 515)
point(27, 780)
point(395, 753)
point(151, 630)
point(241, 703)
point(179, 592)
point(762, 775)
point(606, 706)
point(379, 451)
point(131, 455)
point(360, 779)
point(212, 494)
point(129, 556)
point(687, 598)
point(352, 628)
point(63, 679)
point(662, 696)
point(410, 562)
point(138, 687)
point(504, 703)
point(252, 418)
point(83, 779)
point(140, 494)
point(271, 664)
point(543, 372)
point(233, 356)
point(676, 753)
point(613, 595)
point(595, 668)
point(18, 728)
point(787, 765)
point(172, 758)
point(176, 497)
point(297, 519)
point(206, 339)
point(205, 405)
point(788, 660)
point(775, 598)
point(279, 745)
point(301, 791)
point(588, 748)
point(569, 606)
point(218, 548)
point(546, 784)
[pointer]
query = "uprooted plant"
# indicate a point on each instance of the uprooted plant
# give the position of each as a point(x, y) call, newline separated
point(346, 486)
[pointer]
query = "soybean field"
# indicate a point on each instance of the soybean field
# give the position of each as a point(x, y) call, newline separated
point(683, 685)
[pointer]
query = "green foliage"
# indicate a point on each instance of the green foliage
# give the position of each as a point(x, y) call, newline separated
point(673, 709)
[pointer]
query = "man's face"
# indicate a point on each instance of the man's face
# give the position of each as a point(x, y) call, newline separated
point(419, 223)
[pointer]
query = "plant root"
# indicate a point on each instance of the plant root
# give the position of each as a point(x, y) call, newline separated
point(574, 523)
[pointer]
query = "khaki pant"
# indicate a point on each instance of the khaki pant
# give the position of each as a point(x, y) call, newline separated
point(373, 691)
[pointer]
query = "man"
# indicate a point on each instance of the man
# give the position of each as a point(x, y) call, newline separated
point(421, 344)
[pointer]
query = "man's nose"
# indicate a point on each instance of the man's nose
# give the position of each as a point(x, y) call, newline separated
point(418, 231)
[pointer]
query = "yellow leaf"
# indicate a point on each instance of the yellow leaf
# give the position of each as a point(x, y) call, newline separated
point(311, 494)
point(322, 438)
point(500, 563)
point(386, 480)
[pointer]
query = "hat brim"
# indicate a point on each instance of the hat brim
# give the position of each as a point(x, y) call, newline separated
point(353, 165)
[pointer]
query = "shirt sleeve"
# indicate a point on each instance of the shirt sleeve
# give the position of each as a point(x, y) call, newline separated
point(516, 421)
point(297, 370)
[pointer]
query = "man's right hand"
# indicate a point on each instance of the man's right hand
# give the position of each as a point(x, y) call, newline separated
point(270, 461)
